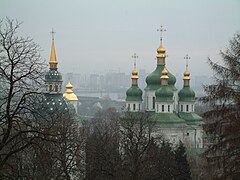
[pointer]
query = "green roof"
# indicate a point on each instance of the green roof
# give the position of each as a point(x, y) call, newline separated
point(154, 82)
point(186, 94)
point(164, 94)
point(134, 93)
point(168, 120)
point(191, 118)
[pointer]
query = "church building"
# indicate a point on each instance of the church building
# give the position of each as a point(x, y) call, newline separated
point(172, 110)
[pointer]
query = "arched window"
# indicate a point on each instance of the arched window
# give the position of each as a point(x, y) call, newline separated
point(56, 88)
point(128, 106)
point(181, 108)
point(50, 88)
point(168, 108)
point(134, 107)
point(153, 102)
point(187, 108)
point(162, 108)
point(147, 102)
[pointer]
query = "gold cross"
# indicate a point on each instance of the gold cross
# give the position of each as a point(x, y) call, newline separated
point(135, 58)
point(187, 57)
point(161, 30)
point(52, 32)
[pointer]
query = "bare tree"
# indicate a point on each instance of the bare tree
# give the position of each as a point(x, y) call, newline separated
point(21, 72)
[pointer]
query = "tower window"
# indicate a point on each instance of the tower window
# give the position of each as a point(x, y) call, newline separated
point(50, 88)
point(134, 107)
point(147, 102)
point(168, 108)
point(153, 102)
point(187, 108)
point(181, 107)
point(128, 106)
point(162, 108)
point(56, 88)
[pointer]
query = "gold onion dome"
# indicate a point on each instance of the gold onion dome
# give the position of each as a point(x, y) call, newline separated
point(186, 74)
point(69, 93)
point(161, 51)
point(164, 74)
point(134, 74)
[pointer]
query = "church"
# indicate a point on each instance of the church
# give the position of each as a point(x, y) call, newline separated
point(172, 110)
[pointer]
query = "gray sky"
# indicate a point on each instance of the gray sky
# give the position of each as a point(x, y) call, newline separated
point(97, 36)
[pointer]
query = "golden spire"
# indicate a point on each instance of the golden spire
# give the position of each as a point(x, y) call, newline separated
point(134, 71)
point(161, 51)
point(186, 73)
point(69, 95)
point(53, 59)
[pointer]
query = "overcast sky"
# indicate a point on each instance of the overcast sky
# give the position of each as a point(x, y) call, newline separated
point(97, 36)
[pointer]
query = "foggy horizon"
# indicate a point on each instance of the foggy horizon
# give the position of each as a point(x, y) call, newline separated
point(101, 36)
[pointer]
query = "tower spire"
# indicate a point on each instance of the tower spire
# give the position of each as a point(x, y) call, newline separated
point(134, 71)
point(53, 58)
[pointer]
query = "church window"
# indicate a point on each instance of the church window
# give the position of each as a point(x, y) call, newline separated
point(187, 108)
point(168, 108)
point(181, 107)
point(162, 108)
point(134, 107)
point(147, 102)
point(56, 88)
point(153, 102)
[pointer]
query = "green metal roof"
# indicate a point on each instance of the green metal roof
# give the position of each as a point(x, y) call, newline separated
point(164, 94)
point(134, 93)
point(186, 94)
point(191, 118)
point(168, 120)
point(154, 82)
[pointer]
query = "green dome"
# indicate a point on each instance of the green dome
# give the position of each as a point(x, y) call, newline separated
point(186, 94)
point(164, 94)
point(154, 82)
point(53, 75)
point(134, 93)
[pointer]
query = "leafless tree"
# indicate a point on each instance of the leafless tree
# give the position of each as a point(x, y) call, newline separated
point(21, 72)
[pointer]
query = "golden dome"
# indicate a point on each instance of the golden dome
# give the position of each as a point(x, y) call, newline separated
point(164, 74)
point(69, 95)
point(161, 49)
point(186, 74)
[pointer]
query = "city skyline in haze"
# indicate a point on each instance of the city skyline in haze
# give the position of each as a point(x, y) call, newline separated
point(101, 36)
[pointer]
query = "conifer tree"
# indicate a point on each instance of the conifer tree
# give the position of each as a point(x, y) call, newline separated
point(223, 120)
point(182, 165)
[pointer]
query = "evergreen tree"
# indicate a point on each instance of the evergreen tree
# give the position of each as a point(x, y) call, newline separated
point(223, 125)
point(182, 165)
